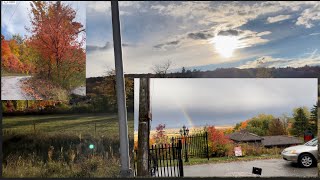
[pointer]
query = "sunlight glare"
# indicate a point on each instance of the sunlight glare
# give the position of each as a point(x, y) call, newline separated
point(225, 45)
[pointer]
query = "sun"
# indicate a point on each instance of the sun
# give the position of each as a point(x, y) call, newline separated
point(225, 45)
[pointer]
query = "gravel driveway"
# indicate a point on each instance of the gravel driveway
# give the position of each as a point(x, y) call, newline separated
point(11, 88)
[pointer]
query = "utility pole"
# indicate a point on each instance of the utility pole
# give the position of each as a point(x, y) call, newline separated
point(144, 128)
point(125, 170)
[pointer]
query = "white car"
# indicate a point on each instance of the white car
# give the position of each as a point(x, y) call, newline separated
point(305, 155)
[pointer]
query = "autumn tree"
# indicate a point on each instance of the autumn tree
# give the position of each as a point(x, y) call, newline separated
point(56, 36)
point(160, 137)
point(217, 141)
point(9, 60)
point(276, 127)
point(259, 124)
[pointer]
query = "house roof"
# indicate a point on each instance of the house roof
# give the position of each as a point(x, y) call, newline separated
point(244, 136)
point(280, 140)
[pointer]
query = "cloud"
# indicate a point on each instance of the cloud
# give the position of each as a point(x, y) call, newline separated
point(107, 46)
point(268, 61)
point(314, 34)
point(182, 31)
point(230, 32)
point(91, 48)
point(99, 7)
point(200, 35)
point(278, 18)
point(224, 101)
point(167, 44)
point(309, 16)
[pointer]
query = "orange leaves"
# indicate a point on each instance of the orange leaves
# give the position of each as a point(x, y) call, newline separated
point(55, 36)
point(10, 51)
point(217, 136)
point(244, 124)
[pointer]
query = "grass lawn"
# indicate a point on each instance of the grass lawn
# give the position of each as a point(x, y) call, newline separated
point(106, 124)
point(27, 157)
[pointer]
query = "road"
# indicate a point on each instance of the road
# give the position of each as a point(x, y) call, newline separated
point(270, 168)
point(11, 88)
point(81, 91)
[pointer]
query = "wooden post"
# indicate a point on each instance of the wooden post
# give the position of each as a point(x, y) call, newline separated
point(143, 128)
point(95, 130)
point(34, 126)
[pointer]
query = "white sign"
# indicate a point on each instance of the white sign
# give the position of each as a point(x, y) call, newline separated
point(237, 151)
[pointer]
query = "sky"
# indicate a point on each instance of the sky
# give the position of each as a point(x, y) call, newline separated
point(205, 35)
point(223, 101)
point(16, 17)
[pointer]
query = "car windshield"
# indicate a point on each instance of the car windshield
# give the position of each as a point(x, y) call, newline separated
point(312, 142)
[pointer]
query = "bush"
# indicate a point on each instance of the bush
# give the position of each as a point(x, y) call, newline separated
point(258, 150)
point(219, 144)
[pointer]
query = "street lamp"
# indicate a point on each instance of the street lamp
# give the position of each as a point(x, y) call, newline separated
point(185, 132)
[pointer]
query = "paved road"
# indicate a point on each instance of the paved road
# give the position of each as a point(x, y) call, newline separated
point(81, 90)
point(11, 88)
point(270, 168)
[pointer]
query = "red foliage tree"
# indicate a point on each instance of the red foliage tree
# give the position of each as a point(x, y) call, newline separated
point(10, 62)
point(55, 36)
point(160, 137)
point(218, 141)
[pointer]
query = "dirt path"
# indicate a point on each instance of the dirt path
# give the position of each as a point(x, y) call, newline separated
point(81, 91)
point(11, 88)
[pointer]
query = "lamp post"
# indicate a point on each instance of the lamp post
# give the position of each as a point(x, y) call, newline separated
point(185, 132)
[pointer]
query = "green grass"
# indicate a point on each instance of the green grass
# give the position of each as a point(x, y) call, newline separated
point(106, 124)
point(25, 157)
point(197, 160)
point(6, 73)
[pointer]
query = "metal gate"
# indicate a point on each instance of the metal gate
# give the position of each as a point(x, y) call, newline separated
point(195, 145)
point(165, 160)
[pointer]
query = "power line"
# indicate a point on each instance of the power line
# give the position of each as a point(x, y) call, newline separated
point(14, 11)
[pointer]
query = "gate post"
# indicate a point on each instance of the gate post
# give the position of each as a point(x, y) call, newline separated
point(207, 145)
point(180, 158)
point(143, 129)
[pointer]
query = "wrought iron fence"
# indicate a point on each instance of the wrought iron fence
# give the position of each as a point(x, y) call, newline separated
point(165, 160)
point(195, 145)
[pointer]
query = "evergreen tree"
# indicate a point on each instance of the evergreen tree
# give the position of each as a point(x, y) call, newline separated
point(300, 124)
point(183, 70)
point(313, 121)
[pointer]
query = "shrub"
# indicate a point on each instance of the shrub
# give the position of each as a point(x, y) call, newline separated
point(218, 142)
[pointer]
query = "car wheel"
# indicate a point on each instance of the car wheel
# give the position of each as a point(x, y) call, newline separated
point(306, 160)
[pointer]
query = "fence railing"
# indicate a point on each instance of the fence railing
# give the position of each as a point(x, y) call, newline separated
point(195, 145)
point(165, 160)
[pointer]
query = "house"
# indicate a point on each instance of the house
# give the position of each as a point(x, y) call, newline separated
point(280, 141)
point(244, 136)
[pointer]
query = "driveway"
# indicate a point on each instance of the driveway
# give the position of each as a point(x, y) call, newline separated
point(270, 168)
point(11, 88)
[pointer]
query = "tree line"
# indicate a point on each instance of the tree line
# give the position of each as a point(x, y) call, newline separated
point(267, 125)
